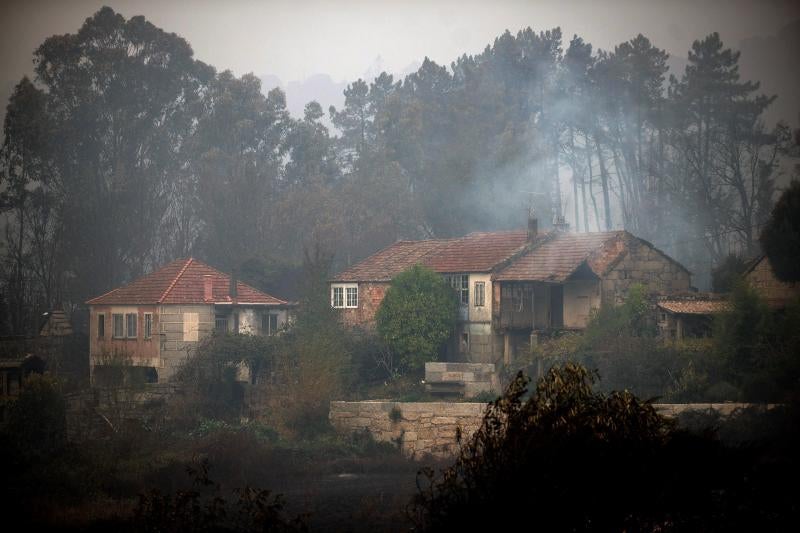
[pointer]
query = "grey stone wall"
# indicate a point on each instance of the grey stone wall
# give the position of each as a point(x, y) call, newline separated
point(426, 429)
point(645, 265)
point(100, 411)
point(420, 429)
point(473, 377)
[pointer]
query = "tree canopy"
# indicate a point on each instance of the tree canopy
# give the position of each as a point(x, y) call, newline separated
point(781, 236)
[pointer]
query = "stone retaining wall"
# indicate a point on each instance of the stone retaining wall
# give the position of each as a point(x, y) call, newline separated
point(429, 428)
point(420, 429)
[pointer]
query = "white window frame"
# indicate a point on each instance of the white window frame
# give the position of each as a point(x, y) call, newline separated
point(480, 295)
point(147, 327)
point(121, 333)
point(348, 293)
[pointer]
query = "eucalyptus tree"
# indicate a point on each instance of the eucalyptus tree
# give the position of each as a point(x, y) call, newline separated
point(119, 95)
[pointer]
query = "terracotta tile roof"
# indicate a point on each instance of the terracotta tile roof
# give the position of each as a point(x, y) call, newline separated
point(694, 307)
point(561, 254)
point(387, 263)
point(183, 282)
point(476, 252)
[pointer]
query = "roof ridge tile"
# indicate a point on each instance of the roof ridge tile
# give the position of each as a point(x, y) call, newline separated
point(175, 280)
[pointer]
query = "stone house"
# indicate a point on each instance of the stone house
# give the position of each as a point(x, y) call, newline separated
point(514, 285)
point(776, 293)
point(156, 321)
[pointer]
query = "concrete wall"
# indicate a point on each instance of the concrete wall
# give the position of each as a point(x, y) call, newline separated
point(645, 265)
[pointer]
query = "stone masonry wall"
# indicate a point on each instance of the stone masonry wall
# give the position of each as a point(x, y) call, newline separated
point(474, 377)
point(648, 266)
point(420, 429)
point(425, 429)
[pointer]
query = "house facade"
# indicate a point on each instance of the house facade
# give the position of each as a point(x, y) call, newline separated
point(515, 285)
point(156, 321)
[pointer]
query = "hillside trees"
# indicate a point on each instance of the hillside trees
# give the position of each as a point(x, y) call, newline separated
point(125, 151)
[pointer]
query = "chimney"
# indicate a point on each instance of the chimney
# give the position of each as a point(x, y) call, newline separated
point(232, 287)
point(533, 225)
point(560, 223)
point(208, 292)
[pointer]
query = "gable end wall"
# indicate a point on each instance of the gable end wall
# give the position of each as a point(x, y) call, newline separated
point(646, 265)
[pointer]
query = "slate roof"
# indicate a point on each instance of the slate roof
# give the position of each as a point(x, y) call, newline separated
point(560, 255)
point(182, 282)
point(476, 252)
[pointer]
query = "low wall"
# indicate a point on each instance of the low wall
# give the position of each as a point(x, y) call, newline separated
point(474, 378)
point(97, 411)
point(420, 429)
point(429, 428)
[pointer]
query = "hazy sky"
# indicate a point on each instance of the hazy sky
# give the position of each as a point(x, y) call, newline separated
point(296, 38)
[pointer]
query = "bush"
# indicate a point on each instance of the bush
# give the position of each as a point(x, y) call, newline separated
point(565, 458)
point(417, 316)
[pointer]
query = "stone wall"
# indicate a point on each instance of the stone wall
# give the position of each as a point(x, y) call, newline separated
point(426, 429)
point(420, 429)
point(648, 266)
point(776, 292)
point(472, 378)
point(100, 411)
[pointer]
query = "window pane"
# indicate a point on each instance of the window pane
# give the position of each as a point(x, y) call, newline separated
point(148, 325)
point(352, 296)
point(480, 294)
point(118, 326)
point(101, 326)
point(131, 324)
point(221, 323)
point(273, 324)
point(338, 296)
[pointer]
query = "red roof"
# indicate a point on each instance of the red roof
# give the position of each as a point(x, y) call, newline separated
point(392, 260)
point(183, 282)
point(557, 257)
point(476, 252)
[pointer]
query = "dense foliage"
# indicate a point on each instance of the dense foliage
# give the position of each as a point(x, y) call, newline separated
point(781, 235)
point(565, 458)
point(417, 316)
point(124, 151)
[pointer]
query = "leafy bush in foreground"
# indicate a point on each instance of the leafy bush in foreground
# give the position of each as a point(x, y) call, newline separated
point(565, 458)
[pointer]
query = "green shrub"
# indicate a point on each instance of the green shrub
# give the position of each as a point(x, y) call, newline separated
point(417, 316)
point(586, 461)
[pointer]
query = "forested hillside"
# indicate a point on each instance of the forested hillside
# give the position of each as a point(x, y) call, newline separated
point(125, 152)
